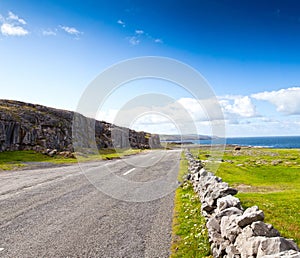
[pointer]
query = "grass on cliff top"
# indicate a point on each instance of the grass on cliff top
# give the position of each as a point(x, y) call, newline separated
point(10, 160)
point(268, 178)
point(189, 237)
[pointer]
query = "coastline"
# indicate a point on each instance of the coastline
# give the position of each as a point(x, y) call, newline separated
point(272, 142)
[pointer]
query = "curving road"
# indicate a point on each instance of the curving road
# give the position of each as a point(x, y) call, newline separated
point(63, 212)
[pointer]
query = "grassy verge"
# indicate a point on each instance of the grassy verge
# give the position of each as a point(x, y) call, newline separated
point(189, 230)
point(17, 159)
point(10, 160)
point(269, 178)
point(108, 154)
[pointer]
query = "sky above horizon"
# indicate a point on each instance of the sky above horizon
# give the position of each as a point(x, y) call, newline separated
point(248, 51)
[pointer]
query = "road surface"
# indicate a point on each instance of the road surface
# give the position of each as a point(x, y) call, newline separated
point(63, 212)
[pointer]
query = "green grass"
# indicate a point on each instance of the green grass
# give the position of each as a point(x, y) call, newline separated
point(269, 178)
point(107, 154)
point(190, 237)
point(17, 159)
point(10, 160)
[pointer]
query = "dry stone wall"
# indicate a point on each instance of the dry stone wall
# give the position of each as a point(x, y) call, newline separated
point(25, 126)
point(233, 231)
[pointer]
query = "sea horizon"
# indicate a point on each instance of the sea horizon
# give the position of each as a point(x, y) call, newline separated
point(280, 142)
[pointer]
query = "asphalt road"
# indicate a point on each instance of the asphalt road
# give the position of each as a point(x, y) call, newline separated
point(70, 212)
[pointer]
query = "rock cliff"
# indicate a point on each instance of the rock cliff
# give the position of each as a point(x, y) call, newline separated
point(25, 126)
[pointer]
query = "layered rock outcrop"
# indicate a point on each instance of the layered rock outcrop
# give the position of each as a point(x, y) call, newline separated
point(25, 126)
point(235, 232)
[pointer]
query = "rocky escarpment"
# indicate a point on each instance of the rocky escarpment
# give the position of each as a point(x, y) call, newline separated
point(25, 126)
point(235, 232)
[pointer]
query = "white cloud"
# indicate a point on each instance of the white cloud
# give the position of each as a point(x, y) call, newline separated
point(264, 127)
point(237, 106)
point(108, 115)
point(158, 41)
point(139, 32)
point(71, 30)
point(49, 33)
point(134, 40)
point(156, 123)
point(286, 100)
point(14, 17)
point(13, 30)
point(194, 108)
point(161, 128)
point(139, 36)
point(184, 113)
point(240, 116)
point(150, 119)
point(122, 23)
point(12, 25)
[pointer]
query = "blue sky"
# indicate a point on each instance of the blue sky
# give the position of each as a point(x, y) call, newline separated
point(247, 50)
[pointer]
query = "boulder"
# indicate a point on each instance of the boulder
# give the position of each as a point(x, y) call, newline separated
point(203, 172)
point(206, 207)
point(228, 212)
point(218, 249)
point(250, 215)
point(222, 189)
point(229, 227)
point(213, 225)
point(227, 202)
point(248, 246)
point(232, 252)
point(260, 228)
point(251, 237)
point(52, 153)
point(284, 254)
point(275, 245)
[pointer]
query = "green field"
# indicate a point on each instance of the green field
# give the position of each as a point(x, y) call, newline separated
point(10, 160)
point(268, 178)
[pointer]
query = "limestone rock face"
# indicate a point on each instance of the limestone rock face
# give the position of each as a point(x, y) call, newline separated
point(25, 126)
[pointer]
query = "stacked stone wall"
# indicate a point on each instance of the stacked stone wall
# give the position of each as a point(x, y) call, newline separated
point(235, 232)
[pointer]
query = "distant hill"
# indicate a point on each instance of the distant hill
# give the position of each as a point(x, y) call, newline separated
point(25, 126)
point(187, 137)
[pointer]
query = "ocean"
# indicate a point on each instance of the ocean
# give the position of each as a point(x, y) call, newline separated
point(279, 142)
